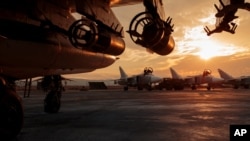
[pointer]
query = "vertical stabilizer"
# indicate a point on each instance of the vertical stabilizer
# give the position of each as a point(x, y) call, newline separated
point(225, 75)
point(174, 74)
point(122, 73)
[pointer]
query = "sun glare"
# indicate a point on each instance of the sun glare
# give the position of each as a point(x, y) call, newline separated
point(197, 43)
point(209, 49)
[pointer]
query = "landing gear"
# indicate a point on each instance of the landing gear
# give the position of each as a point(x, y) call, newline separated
point(139, 88)
point(208, 88)
point(193, 87)
point(125, 88)
point(53, 85)
point(52, 102)
point(11, 111)
point(149, 87)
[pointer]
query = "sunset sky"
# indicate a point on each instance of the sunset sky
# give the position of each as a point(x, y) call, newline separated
point(194, 50)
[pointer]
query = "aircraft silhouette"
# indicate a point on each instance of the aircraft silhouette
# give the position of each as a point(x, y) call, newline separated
point(225, 16)
point(143, 80)
point(193, 81)
point(46, 38)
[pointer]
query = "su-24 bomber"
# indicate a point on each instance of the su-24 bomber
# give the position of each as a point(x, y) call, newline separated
point(140, 81)
point(236, 82)
point(44, 38)
point(178, 82)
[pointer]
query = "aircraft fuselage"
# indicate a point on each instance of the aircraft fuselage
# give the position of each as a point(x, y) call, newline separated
point(37, 44)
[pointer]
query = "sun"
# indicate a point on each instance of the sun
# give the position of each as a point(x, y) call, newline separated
point(197, 43)
point(209, 49)
point(206, 47)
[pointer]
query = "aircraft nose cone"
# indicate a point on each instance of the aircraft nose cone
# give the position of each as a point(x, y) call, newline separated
point(155, 79)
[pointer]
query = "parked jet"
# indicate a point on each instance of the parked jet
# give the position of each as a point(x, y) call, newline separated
point(236, 82)
point(229, 79)
point(143, 80)
point(45, 38)
point(193, 81)
point(226, 14)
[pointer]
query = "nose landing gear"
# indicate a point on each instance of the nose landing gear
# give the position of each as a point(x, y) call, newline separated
point(53, 85)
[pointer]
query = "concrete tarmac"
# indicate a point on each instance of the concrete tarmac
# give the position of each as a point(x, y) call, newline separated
point(115, 115)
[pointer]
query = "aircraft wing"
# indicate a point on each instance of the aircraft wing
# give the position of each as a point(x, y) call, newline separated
point(116, 3)
point(54, 37)
point(157, 3)
point(63, 78)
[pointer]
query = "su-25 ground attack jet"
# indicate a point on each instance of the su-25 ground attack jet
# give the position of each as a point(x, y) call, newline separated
point(226, 14)
point(140, 81)
point(44, 38)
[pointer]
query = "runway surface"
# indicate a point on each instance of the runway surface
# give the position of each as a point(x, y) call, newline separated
point(108, 115)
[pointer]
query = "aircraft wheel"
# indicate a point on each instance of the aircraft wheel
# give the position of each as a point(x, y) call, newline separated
point(193, 87)
point(236, 87)
point(139, 88)
point(208, 88)
point(246, 86)
point(169, 88)
point(11, 111)
point(125, 88)
point(52, 102)
point(149, 88)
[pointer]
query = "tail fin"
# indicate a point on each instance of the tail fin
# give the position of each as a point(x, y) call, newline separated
point(122, 73)
point(174, 74)
point(225, 75)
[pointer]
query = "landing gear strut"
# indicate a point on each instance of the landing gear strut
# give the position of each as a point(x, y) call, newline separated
point(53, 85)
point(11, 111)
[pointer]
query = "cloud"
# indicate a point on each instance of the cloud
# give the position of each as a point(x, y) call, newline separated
point(191, 38)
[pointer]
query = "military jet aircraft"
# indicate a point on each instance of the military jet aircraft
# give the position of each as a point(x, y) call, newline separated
point(226, 14)
point(44, 38)
point(194, 81)
point(236, 82)
point(229, 79)
point(143, 80)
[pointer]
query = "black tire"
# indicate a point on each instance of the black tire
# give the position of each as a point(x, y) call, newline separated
point(246, 86)
point(125, 88)
point(193, 87)
point(52, 102)
point(139, 88)
point(11, 111)
point(208, 88)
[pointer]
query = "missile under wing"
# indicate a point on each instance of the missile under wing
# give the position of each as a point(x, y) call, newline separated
point(44, 38)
